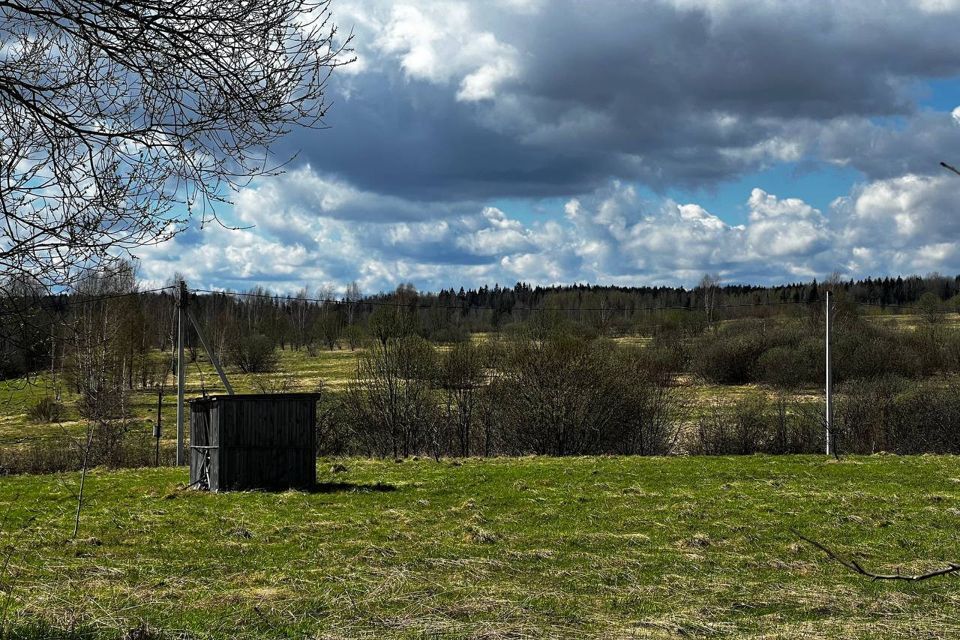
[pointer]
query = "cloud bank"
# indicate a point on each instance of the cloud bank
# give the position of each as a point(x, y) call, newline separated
point(537, 141)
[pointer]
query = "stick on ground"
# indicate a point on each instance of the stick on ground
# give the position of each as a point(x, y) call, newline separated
point(856, 567)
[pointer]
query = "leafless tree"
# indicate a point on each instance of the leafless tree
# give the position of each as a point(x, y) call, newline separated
point(390, 399)
point(710, 291)
point(460, 374)
point(119, 122)
point(300, 309)
point(351, 297)
point(93, 338)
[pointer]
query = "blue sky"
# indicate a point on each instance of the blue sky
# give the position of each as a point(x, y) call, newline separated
point(631, 142)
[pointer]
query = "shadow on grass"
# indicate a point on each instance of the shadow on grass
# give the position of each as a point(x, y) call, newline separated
point(345, 487)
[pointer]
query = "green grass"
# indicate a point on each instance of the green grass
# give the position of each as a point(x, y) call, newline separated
point(913, 321)
point(297, 370)
point(535, 547)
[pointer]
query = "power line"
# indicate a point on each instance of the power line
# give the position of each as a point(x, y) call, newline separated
point(73, 300)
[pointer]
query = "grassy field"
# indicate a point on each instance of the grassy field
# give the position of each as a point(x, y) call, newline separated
point(297, 371)
point(535, 547)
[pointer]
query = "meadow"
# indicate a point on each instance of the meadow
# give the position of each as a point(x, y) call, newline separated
point(600, 547)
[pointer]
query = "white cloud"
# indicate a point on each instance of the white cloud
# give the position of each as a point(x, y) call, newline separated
point(440, 42)
point(906, 210)
point(303, 237)
point(780, 228)
point(909, 224)
point(482, 84)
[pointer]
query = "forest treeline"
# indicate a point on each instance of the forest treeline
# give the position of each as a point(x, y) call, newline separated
point(246, 326)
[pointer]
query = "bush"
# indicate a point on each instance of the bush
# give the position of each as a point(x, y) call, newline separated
point(727, 357)
point(46, 410)
point(389, 408)
point(756, 425)
point(568, 395)
point(897, 415)
point(926, 420)
point(113, 445)
point(737, 430)
point(784, 367)
point(253, 353)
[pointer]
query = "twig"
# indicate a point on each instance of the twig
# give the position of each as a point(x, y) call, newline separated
point(856, 567)
point(947, 166)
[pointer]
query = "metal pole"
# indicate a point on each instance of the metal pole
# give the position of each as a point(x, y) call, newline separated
point(829, 381)
point(181, 368)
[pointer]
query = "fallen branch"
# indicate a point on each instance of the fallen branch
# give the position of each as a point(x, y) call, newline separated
point(856, 567)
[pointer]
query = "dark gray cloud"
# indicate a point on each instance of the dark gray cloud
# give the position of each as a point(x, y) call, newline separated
point(889, 149)
point(671, 94)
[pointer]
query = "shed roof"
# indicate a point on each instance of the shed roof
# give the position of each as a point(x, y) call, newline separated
point(255, 396)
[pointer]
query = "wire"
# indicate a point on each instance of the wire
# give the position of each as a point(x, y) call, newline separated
point(112, 296)
point(72, 300)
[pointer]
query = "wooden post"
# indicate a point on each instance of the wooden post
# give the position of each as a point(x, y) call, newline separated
point(829, 381)
point(181, 368)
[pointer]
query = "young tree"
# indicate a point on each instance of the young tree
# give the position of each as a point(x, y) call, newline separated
point(351, 297)
point(709, 289)
point(396, 318)
point(300, 310)
point(460, 374)
point(391, 396)
point(329, 325)
point(96, 358)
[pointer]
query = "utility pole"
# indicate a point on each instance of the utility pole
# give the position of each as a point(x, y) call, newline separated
point(181, 369)
point(829, 381)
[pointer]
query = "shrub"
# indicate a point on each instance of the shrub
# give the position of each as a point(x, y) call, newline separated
point(926, 418)
point(389, 407)
point(739, 429)
point(253, 353)
point(897, 415)
point(754, 424)
point(566, 394)
point(113, 445)
point(784, 367)
point(868, 352)
point(46, 410)
point(863, 412)
point(727, 357)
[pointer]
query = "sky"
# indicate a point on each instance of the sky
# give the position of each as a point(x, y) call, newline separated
point(642, 142)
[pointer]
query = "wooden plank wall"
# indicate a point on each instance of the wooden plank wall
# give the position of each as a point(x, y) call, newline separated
point(265, 442)
point(199, 435)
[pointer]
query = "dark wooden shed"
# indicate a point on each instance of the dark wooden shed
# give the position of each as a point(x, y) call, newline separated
point(253, 441)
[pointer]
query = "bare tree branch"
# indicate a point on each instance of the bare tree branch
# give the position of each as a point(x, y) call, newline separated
point(951, 168)
point(121, 121)
point(856, 567)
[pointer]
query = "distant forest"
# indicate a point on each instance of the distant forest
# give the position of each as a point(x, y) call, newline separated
point(33, 324)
